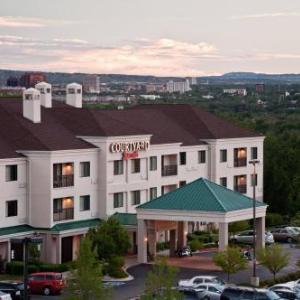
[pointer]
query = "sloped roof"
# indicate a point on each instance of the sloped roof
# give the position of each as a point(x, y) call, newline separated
point(76, 225)
point(126, 219)
point(62, 124)
point(201, 195)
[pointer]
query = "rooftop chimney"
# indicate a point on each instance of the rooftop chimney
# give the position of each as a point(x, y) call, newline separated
point(46, 96)
point(74, 94)
point(32, 105)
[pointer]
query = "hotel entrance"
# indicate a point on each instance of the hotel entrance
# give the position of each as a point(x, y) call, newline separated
point(66, 249)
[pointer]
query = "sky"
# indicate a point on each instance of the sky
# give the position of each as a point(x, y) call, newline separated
point(151, 37)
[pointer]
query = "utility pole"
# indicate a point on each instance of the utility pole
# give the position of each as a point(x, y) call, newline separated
point(254, 278)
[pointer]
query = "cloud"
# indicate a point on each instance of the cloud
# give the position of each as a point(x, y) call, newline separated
point(22, 22)
point(266, 15)
point(143, 56)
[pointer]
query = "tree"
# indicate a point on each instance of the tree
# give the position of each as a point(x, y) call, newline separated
point(160, 282)
point(230, 261)
point(274, 258)
point(110, 239)
point(85, 282)
point(238, 226)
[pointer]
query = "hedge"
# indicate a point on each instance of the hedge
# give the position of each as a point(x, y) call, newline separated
point(16, 268)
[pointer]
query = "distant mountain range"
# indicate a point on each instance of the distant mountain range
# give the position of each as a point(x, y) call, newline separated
point(228, 78)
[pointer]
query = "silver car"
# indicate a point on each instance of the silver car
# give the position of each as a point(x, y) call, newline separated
point(246, 237)
point(208, 291)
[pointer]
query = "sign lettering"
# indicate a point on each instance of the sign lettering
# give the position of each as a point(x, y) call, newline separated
point(129, 147)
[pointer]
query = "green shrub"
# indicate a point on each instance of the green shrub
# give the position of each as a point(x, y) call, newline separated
point(289, 277)
point(117, 262)
point(274, 219)
point(117, 273)
point(195, 245)
point(16, 268)
point(160, 246)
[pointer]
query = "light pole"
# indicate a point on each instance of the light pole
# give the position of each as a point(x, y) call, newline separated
point(25, 242)
point(254, 278)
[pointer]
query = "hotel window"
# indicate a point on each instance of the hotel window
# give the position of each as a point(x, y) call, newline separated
point(153, 193)
point(182, 156)
point(118, 167)
point(240, 157)
point(118, 200)
point(240, 184)
point(223, 181)
point(11, 173)
point(11, 208)
point(253, 152)
point(63, 209)
point(63, 175)
point(84, 203)
point(135, 197)
point(85, 169)
point(254, 182)
point(202, 157)
point(153, 163)
point(223, 155)
point(182, 183)
point(135, 165)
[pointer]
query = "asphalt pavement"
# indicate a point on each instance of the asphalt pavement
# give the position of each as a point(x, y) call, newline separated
point(139, 272)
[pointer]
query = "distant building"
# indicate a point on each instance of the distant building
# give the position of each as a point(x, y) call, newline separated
point(240, 92)
point(178, 86)
point(91, 84)
point(155, 88)
point(31, 79)
point(150, 97)
point(259, 88)
point(12, 81)
point(192, 80)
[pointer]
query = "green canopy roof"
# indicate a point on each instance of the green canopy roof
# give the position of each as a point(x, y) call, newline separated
point(16, 229)
point(75, 225)
point(126, 219)
point(202, 195)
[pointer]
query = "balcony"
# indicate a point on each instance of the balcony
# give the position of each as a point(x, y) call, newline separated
point(63, 214)
point(242, 188)
point(170, 170)
point(63, 181)
point(240, 162)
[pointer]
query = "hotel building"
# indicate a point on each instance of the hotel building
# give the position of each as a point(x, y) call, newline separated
point(63, 168)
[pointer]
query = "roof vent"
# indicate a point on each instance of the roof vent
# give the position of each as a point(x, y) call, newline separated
point(32, 105)
point(74, 95)
point(46, 96)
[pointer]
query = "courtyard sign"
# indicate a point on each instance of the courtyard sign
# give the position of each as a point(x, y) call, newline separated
point(129, 147)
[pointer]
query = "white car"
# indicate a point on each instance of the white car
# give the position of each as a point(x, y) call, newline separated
point(246, 237)
point(290, 286)
point(192, 284)
point(4, 296)
point(209, 291)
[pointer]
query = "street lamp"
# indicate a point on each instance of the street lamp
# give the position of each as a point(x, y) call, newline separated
point(254, 278)
point(26, 242)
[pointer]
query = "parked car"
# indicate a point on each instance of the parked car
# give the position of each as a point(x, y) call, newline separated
point(184, 251)
point(290, 286)
point(190, 285)
point(242, 293)
point(285, 234)
point(287, 294)
point(5, 296)
point(15, 289)
point(208, 291)
point(46, 283)
point(246, 237)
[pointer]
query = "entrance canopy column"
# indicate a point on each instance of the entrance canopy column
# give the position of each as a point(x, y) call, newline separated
point(260, 232)
point(142, 241)
point(223, 236)
point(182, 232)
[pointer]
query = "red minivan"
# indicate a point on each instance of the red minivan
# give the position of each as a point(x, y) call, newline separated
point(46, 283)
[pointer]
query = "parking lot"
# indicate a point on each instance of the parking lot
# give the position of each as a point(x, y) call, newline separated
point(136, 286)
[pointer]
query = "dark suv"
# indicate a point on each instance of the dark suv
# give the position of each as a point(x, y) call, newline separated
point(241, 293)
point(15, 289)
